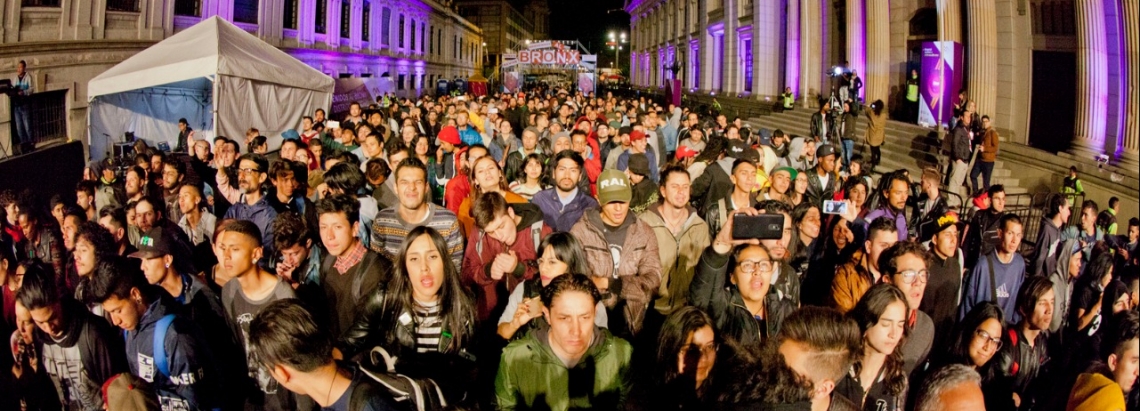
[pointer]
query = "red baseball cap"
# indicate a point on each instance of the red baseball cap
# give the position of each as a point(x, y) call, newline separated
point(449, 134)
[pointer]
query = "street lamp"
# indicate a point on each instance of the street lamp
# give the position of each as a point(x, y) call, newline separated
point(615, 43)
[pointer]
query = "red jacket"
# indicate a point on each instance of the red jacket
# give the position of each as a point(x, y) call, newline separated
point(481, 252)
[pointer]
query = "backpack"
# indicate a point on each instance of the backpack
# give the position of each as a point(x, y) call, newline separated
point(161, 362)
point(416, 394)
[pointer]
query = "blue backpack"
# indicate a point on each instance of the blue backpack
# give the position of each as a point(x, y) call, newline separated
point(159, 344)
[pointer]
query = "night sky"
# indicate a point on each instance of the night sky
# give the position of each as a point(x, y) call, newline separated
point(587, 21)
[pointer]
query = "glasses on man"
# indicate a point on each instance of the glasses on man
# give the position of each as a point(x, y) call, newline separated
point(245, 171)
point(992, 343)
point(750, 266)
point(912, 276)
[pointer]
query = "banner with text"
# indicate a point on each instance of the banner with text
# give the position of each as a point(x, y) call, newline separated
point(942, 70)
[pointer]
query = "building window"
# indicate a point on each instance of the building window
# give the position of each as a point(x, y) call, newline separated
point(400, 35)
point(431, 42)
point(423, 35)
point(123, 5)
point(346, 19)
point(746, 45)
point(192, 8)
point(321, 18)
point(245, 11)
point(290, 14)
point(412, 31)
point(385, 26)
point(365, 21)
point(40, 3)
point(400, 81)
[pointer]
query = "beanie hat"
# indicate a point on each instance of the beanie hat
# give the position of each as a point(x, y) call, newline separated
point(450, 135)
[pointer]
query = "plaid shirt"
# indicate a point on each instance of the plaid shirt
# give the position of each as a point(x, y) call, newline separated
point(349, 260)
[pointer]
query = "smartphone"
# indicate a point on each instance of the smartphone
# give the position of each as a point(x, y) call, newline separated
point(332, 124)
point(834, 207)
point(762, 226)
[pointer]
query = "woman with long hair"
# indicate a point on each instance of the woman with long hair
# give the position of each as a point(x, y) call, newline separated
point(877, 380)
point(806, 221)
point(975, 339)
point(485, 177)
point(799, 190)
point(559, 253)
point(530, 180)
point(686, 357)
point(424, 315)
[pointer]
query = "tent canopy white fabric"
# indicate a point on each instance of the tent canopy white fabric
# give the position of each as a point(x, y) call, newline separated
point(222, 79)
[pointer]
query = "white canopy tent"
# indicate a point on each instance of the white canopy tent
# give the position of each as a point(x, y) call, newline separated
point(220, 78)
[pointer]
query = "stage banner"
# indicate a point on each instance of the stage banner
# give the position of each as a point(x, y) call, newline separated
point(360, 90)
point(942, 69)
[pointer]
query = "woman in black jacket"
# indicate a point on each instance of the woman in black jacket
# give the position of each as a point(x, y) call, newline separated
point(423, 316)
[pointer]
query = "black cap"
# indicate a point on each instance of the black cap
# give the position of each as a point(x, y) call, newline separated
point(824, 150)
point(155, 243)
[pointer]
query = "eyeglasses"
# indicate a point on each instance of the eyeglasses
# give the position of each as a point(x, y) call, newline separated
point(244, 171)
point(991, 342)
point(912, 276)
point(705, 351)
point(749, 266)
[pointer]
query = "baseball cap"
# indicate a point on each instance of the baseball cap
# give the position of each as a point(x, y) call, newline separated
point(740, 149)
point(613, 186)
point(636, 135)
point(639, 164)
point(824, 150)
point(947, 220)
point(792, 173)
point(685, 152)
point(155, 243)
point(290, 135)
point(449, 134)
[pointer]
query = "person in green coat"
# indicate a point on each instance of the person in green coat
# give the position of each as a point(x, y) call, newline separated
point(537, 371)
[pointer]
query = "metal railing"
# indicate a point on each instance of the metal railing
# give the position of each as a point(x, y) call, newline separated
point(123, 5)
point(47, 115)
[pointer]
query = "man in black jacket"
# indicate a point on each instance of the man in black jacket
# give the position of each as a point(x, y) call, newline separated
point(823, 181)
point(820, 123)
point(929, 206)
point(350, 270)
point(80, 350)
point(960, 143)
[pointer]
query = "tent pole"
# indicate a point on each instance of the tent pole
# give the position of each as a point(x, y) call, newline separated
point(214, 105)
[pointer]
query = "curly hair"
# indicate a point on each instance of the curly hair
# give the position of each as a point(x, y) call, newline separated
point(99, 238)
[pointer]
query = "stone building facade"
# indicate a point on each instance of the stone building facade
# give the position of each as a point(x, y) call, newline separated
point(66, 43)
point(756, 48)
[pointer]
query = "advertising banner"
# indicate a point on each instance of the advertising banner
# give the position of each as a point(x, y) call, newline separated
point(511, 82)
point(941, 78)
point(360, 90)
point(586, 82)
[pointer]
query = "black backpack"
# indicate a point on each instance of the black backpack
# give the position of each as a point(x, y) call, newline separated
point(415, 394)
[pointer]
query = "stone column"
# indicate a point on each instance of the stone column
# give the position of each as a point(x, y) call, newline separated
point(876, 80)
point(811, 44)
point(766, 49)
point(792, 48)
point(981, 66)
point(1092, 76)
point(857, 38)
point(949, 20)
point(730, 63)
point(1130, 15)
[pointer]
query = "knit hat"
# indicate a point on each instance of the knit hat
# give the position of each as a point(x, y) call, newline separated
point(613, 186)
point(636, 135)
point(639, 164)
point(125, 392)
point(450, 135)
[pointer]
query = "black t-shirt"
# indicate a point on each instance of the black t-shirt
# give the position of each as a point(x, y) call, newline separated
point(362, 395)
point(1084, 298)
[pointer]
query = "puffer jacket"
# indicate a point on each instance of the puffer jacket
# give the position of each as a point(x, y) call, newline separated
point(711, 291)
point(638, 274)
point(531, 376)
point(679, 256)
point(852, 280)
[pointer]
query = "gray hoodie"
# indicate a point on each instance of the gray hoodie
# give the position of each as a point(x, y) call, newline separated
point(1063, 283)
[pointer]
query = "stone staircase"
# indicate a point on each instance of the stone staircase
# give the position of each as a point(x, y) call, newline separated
point(907, 145)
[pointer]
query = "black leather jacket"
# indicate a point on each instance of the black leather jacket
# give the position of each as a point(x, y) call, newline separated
point(380, 321)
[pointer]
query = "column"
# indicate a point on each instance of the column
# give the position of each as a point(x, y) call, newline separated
point(981, 55)
point(876, 80)
point(949, 20)
point(1092, 76)
point(1127, 147)
point(857, 38)
point(792, 48)
point(730, 64)
point(811, 44)
point(766, 49)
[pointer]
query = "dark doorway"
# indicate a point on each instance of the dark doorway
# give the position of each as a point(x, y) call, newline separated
point(1054, 107)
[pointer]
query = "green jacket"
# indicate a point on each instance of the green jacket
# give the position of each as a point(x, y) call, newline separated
point(531, 376)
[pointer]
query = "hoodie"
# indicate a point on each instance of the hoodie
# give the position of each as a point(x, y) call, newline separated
point(1062, 281)
point(193, 382)
point(798, 156)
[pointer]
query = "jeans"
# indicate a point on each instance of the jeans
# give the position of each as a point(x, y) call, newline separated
point(23, 124)
point(848, 149)
point(986, 170)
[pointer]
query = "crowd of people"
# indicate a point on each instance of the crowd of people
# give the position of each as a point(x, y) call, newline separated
point(555, 250)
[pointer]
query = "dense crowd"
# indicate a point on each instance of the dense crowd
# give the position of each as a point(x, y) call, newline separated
point(553, 250)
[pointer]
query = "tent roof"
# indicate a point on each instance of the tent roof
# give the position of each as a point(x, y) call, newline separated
point(211, 47)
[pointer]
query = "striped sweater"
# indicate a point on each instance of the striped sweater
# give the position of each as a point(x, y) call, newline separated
point(389, 231)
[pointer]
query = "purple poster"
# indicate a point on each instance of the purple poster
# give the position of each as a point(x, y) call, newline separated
point(940, 81)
